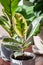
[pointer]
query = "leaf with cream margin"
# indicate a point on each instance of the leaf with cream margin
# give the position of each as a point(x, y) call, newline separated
point(12, 44)
point(12, 47)
point(35, 24)
point(16, 54)
point(20, 25)
point(11, 40)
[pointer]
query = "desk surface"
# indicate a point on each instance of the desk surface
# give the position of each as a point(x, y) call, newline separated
point(38, 61)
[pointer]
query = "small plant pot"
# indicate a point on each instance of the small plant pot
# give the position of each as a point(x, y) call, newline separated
point(5, 53)
point(28, 61)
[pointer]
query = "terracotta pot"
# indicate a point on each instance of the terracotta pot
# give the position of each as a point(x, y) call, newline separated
point(23, 62)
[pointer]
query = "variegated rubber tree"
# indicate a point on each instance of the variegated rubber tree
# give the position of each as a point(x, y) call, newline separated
point(15, 22)
point(9, 8)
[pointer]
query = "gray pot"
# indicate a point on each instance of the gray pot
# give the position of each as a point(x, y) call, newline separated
point(5, 53)
point(23, 62)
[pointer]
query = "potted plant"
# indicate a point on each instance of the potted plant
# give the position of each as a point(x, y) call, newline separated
point(15, 24)
point(24, 33)
point(6, 23)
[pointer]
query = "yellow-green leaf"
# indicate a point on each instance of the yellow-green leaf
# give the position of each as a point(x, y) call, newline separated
point(20, 25)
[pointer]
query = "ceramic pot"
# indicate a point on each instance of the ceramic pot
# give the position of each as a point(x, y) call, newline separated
point(38, 40)
point(5, 53)
point(23, 62)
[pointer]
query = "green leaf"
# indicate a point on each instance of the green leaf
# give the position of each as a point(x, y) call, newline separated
point(10, 6)
point(39, 7)
point(6, 5)
point(4, 20)
point(27, 12)
point(37, 30)
point(1, 22)
point(28, 31)
point(14, 6)
point(35, 25)
point(16, 54)
point(11, 40)
point(5, 24)
point(12, 47)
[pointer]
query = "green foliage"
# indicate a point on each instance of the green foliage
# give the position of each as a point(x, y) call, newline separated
point(12, 47)
point(39, 7)
point(5, 24)
point(28, 31)
point(19, 21)
point(37, 30)
point(35, 25)
point(27, 12)
point(10, 6)
point(33, 29)
point(18, 54)
point(9, 10)
point(11, 40)
point(20, 25)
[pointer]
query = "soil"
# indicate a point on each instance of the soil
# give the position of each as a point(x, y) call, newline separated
point(23, 57)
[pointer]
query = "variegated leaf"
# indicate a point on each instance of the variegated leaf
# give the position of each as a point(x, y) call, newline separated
point(20, 25)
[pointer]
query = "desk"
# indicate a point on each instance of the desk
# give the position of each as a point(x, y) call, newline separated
point(38, 60)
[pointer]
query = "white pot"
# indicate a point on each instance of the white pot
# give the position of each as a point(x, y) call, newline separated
point(38, 40)
point(23, 62)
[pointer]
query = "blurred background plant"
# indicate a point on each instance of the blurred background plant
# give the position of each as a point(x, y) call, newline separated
point(38, 8)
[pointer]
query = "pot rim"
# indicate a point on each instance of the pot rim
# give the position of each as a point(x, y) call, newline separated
point(26, 53)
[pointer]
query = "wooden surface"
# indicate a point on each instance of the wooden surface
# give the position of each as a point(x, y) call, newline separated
point(2, 62)
point(38, 60)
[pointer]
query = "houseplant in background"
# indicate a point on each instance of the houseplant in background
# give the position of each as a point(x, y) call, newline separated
point(16, 25)
point(38, 9)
